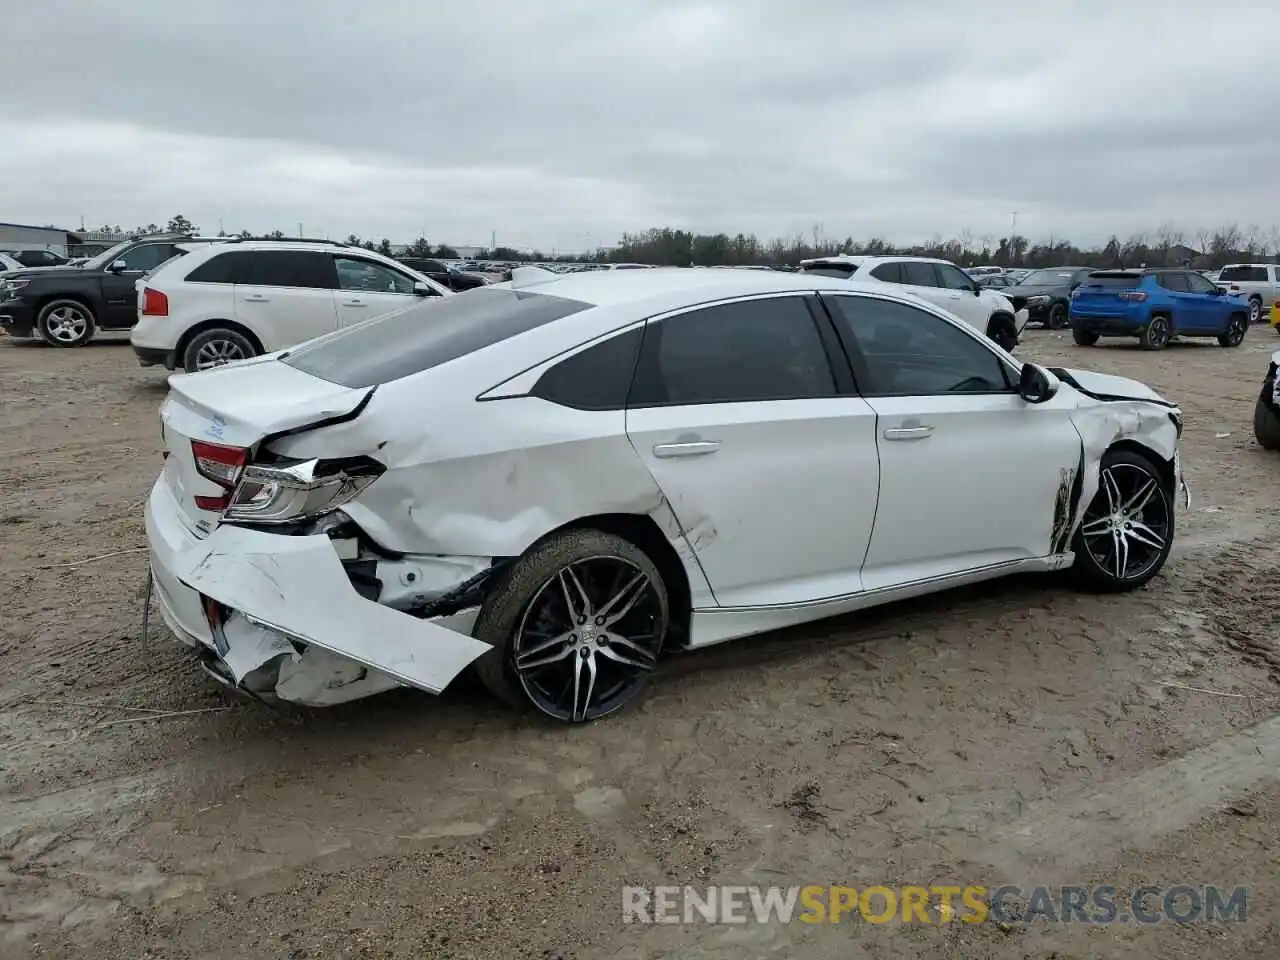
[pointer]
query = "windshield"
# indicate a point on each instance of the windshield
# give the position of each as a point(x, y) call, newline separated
point(106, 256)
point(1047, 278)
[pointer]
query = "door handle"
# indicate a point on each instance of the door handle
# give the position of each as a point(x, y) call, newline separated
point(353, 303)
point(255, 298)
point(693, 448)
point(908, 433)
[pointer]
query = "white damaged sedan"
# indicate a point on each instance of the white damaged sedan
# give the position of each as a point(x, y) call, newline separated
point(558, 478)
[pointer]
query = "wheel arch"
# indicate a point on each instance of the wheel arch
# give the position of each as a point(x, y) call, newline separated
point(1168, 476)
point(81, 298)
point(643, 531)
point(213, 324)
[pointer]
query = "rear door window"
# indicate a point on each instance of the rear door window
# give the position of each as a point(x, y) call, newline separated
point(888, 272)
point(917, 274)
point(1246, 274)
point(426, 335)
point(290, 268)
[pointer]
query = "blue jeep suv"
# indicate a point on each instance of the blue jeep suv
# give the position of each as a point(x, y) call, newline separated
point(1154, 306)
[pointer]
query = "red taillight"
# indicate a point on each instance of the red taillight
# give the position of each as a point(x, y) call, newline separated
point(1136, 295)
point(221, 464)
point(154, 303)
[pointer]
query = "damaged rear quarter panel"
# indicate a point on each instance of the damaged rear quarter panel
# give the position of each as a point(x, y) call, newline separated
point(490, 478)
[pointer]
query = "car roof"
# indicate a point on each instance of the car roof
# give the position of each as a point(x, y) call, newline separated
point(862, 260)
point(616, 287)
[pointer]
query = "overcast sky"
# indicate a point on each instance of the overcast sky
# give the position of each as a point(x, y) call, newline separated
point(555, 123)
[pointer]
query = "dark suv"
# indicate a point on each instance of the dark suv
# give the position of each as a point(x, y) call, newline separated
point(65, 307)
point(441, 273)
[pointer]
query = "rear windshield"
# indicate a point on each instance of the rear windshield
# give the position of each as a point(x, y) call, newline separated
point(426, 335)
point(1243, 273)
point(841, 271)
point(1114, 281)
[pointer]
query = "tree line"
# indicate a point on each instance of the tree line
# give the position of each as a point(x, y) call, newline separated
point(1166, 246)
point(664, 246)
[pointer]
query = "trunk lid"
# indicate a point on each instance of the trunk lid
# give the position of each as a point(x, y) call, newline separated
point(1107, 289)
point(237, 407)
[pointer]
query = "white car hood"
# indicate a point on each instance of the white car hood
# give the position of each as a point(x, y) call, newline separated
point(1106, 386)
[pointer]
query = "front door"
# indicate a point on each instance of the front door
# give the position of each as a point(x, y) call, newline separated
point(766, 458)
point(971, 475)
point(961, 296)
point(1210, 308)
point(367, 288)
point(119, 287)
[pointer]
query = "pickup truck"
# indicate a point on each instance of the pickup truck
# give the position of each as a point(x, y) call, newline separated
point(65, 306)
point(1259, 283)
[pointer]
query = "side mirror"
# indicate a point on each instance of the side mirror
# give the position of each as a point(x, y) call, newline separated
point(421, 289)
point(1036, 385)
point(118, 266)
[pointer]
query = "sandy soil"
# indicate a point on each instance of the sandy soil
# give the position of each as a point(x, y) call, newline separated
point(1017, 732)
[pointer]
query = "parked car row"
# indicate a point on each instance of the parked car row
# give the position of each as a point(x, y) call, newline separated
point(938, 281)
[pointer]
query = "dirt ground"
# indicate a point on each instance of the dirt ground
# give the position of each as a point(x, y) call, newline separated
point(1020, 732)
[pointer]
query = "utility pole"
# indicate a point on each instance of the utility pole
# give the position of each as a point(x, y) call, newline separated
point(299, 231)
point(220, 230)
point(1014, 231)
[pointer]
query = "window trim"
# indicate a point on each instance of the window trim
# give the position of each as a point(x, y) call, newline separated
point(843, 384)
point(858, 362)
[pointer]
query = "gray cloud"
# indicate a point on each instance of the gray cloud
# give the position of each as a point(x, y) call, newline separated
point(561, 123)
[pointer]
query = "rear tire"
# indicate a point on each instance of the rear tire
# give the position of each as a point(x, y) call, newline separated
point(1266, 424)
point(542, 648)
point(1156, 334)
point(66, 323)
point(1255, 310)
point(216, 347)
point(1126, 533)
point(1084, 338)
point(1234, 334)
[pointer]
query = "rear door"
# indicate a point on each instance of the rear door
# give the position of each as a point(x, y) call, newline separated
point(368, 288)
point(1187, 312)
point(287, 296)
point(761, 447)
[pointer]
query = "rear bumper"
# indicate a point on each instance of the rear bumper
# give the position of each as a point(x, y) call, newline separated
point(286, 620)
point(1117, 323)
point(154, 357)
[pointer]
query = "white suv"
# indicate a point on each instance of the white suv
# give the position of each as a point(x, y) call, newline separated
point(241, 298)
point(940, 282)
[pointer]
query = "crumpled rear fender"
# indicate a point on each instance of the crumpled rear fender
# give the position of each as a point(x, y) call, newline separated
point(297, 586)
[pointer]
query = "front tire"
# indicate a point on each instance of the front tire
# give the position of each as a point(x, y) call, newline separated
point(1001, 331)
point(1127, 530)
point(216, 347)
point(1156, 334)
point(1266, 423)
point(1233, 336)
point(66, 323)
point(576, 625)
point(1084, 338)
point(1057, 316)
